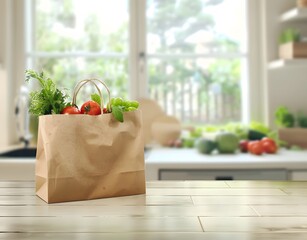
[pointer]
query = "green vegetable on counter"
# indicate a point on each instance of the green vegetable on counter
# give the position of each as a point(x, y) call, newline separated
point(283, 118)
point(302, 120)
point(238, 129)
point(49, 99)
point(196, 133)
point(259, 127)
point(205, 146)
point(255, 135)
point(227, 142)
point(188, 142)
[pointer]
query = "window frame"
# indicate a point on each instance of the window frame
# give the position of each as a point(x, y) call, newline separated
point(252, 98)
point(249, 97)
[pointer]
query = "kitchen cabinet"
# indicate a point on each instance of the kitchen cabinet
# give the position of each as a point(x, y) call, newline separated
point(298, 175)
point(188, 164)
point(203, 174)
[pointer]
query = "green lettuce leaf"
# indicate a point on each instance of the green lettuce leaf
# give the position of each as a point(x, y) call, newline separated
point(118, 113)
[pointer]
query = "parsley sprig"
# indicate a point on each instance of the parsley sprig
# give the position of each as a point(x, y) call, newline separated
point(49, 99)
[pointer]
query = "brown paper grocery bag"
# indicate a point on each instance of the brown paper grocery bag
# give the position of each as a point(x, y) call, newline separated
point(82, 157)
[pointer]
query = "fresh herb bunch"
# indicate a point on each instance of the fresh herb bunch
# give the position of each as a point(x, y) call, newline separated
point(49, 99)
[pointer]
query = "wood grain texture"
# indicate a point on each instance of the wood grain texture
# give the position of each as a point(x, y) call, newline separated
point(141, 211)
point(246, 200)
point(266, 184)
point(187, 184)
point(78, 224)
point(17, 184)
point(16, 191)
point(255, 224)
point(214, 191)
point(170, 210)
point(155, 236)
point(137, 200)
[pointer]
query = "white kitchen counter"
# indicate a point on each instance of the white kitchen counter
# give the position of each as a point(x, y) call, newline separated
point(17, 169)
point(293, 163)
point(184, 163)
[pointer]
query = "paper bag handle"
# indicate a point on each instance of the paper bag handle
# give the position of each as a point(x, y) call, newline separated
point(91, 80)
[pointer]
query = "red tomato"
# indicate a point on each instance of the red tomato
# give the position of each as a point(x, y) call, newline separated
point(255, 147)
point(266, 139)
point(91, 108)
point(243, 146)
point(250, 145)
point(269, 147)
point(71, 110)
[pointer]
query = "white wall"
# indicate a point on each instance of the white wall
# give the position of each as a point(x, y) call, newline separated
point(287, 87)
point(255, 86)
point(2, 30)
point(4, 119)
point(12, 62)
point(283, 86)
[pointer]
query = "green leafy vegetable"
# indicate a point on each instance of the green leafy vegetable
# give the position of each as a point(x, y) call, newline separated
point(118, 106)
point(237, 128)
point(211, 128)
point(255, 135)
point(302, 120)
point(96, 98)
point(117, 112)
point(188, 142)
point(196, 133)
point(260, 127)
point(47, 100)
point(283, 118)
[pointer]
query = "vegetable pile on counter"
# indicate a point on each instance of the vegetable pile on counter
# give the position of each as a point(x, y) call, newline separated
point(50, 100)
point(223, 142)
point(255, 138)
point(229, 143)
point(259, 147)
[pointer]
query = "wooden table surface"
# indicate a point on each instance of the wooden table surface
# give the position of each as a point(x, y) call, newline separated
point(170, 210)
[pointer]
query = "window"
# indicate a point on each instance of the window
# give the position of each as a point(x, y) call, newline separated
point(76, 39)
point(196, 56)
